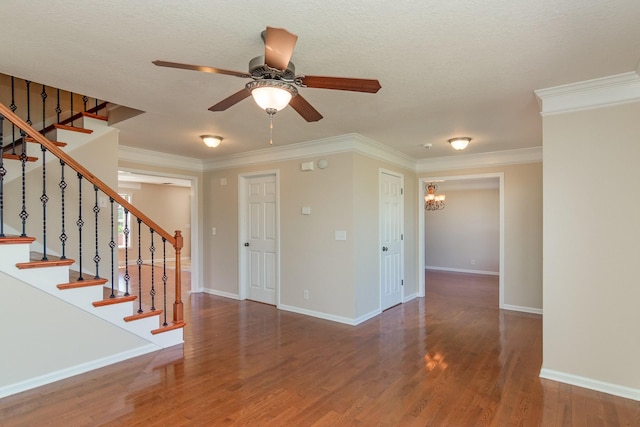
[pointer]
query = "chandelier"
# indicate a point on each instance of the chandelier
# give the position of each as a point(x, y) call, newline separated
point(431, 201)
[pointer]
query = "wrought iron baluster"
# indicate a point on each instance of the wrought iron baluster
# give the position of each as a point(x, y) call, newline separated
point(126, 251)
point(28, 82)
point(44, 199)
point(71, 106)
point(139, 267)
point(96, 211)
point(23, 160)
point(80, 224)
point(112, 245)
point(85, 99)
point(164, 279)
point(152, 249)
point(63, 186)
point(13, 108)
point(3, 172)
point(44, 95)
point(58, 109)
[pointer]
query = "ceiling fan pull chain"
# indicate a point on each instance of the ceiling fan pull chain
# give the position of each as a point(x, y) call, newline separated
point(271, 113)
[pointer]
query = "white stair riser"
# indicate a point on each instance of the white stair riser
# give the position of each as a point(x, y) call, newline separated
point(91, 123)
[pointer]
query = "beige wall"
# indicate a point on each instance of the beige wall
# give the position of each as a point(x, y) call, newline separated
point(170, 208)
point(522, 231)
point(342, 276)
point(467, 229)
point(591, 235)
point(100, 157)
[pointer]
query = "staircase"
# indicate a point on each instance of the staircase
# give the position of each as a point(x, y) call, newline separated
point(54, 259)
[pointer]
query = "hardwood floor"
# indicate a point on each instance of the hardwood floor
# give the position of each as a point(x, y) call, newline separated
point(450, 359)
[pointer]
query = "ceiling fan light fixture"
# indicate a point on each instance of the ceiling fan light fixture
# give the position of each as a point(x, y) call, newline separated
point(271, 95)
point(459, 143)
point(211, 141)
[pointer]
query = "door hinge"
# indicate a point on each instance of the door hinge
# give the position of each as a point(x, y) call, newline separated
point(402, 237)
point(402, 191)
point(401, 282)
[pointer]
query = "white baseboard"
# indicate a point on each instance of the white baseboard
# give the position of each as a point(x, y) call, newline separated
point(461, 270)
point(531, 310)
point(614, 389)
point(326, 316)
point(221, 293)
point(408, 298)
point(75, 370)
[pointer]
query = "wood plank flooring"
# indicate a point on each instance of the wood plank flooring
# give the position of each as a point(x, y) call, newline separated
point(450, 359)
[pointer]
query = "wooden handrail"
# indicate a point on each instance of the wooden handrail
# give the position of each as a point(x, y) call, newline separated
point(176, 240)
point(69, 161)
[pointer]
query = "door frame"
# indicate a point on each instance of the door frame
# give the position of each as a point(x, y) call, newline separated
point(243, 283)
point(421, 226)
point(401, 176)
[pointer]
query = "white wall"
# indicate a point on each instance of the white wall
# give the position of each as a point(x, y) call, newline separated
point(38, 348)
point(591, 249)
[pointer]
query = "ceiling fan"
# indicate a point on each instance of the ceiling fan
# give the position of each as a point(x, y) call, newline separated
point(274, 81)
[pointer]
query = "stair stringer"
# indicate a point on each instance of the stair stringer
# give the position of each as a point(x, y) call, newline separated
point(47, 279)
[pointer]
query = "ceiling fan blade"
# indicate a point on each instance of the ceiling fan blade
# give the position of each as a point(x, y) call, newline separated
point(305, 109)
point(342, 83)
point(200, 68)
point(230, 101)
point(278, 47)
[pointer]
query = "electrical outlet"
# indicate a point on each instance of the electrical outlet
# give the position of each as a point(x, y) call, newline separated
point(305, 294)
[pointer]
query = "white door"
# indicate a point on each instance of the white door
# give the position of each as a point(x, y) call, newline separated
point(261, 239)
point(391, 229)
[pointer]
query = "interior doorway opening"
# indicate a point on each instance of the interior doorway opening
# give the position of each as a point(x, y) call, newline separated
point(460, 252)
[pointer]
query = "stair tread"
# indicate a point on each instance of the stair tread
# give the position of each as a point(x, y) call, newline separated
point(111, 301)
point(95, 116)
point(43, 264)
point(81, 283)
point(170, 327)
point(12, 240)
point(56, 143)
point(143, 315)
point(72, 128)
point(10, 156)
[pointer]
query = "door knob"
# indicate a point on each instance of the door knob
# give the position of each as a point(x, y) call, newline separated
point(384, 248)
point(246, 244)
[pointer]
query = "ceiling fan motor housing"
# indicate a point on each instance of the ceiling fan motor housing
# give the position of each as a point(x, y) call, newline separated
point(259, 70)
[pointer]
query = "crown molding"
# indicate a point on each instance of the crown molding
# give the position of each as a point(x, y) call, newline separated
point(611, 90)
point(321, 147)
point(156, 158)
point(496, 158)
point(340, 144)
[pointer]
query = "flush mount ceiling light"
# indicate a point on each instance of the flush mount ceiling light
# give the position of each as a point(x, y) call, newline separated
point(211, 140)
point(459, 143)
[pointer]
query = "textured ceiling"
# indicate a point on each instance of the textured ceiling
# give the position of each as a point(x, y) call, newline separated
point(454, 68)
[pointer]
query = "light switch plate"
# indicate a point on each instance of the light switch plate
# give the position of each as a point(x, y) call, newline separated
point(341, 235)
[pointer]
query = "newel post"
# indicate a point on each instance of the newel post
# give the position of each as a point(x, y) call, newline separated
point(178, 311)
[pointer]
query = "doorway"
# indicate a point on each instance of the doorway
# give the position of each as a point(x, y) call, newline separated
point(465, 181)
point(131, 181)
